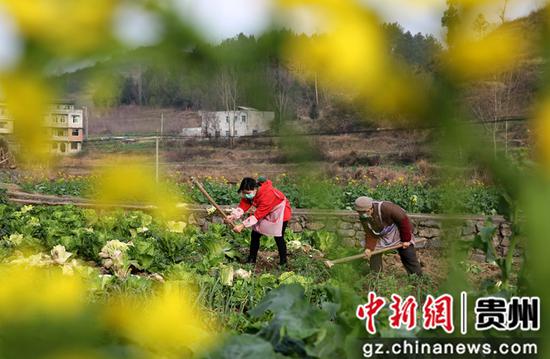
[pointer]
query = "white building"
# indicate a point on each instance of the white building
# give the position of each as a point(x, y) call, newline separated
point(192, 132)
point(245, 121)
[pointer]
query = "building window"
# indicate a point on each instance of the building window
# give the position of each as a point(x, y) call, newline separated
point(75, 132)
point(227, 119)
point(74, 145)
point(254, 132)
point(54, 146)
point(3, 124)
point(217, 133)
point(76, 118)
point(227, 133)
point(243, 118)
point(63, 147)
point(60, 133)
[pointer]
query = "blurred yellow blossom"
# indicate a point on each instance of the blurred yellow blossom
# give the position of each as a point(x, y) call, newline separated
point(498, 51)
point(542, 133)
point(27, 98)
point(77, 354)
point(352, 55)
point(64, 26)
point(29, 291)
point(124, 181)
point(168, 323)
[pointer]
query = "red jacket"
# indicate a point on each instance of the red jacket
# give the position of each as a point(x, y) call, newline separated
point(267, 197)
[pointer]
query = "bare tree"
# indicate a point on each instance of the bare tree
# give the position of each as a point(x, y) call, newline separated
point(500, 97)
point(481, 25)
point(497, 97)
point(227, 85)
point(209, 124)
point(502, 14)
point(282, 81)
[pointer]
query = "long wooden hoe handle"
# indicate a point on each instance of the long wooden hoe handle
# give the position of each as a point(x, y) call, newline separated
point(330, 263)
point(210, 199)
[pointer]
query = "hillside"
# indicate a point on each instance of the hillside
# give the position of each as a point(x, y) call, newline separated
point(141, 85)
point(245, 70)
point(132, 119)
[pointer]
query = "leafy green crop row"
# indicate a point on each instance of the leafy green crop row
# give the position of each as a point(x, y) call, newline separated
point(326, 194)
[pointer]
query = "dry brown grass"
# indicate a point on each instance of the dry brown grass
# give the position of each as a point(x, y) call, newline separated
point(134, 119)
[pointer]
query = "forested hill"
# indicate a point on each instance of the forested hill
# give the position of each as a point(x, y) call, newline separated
point(251, 67)
point(250, 71)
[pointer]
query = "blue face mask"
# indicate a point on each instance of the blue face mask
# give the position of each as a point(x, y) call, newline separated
point(250, 195)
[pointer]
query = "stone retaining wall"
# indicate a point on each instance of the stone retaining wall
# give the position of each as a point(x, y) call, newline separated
point(346, 225)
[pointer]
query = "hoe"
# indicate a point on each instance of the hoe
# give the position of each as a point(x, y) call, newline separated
point(330, 263)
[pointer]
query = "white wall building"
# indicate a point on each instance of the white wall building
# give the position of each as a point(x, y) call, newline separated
point(192, 132)
point(245, 121)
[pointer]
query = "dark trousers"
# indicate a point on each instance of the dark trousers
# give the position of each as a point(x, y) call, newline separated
point(255, 245)
point(408, 258)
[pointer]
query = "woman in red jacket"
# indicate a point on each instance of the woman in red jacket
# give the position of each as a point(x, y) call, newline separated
point(270, 217)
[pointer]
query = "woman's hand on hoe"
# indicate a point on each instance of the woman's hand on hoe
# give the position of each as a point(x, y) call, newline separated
point(238, 228)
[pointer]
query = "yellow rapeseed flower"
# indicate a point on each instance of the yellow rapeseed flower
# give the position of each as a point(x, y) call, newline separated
point(498, 51)
point(27, 98)
point(542, 133)
point(27, 292)
point(168, 323)
point(64, 26)
point(352, 56)
point(123, 181)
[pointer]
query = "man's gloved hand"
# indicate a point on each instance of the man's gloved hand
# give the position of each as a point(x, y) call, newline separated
point(406, 244)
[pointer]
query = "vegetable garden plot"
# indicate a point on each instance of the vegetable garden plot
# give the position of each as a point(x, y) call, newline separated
point(269, 309)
